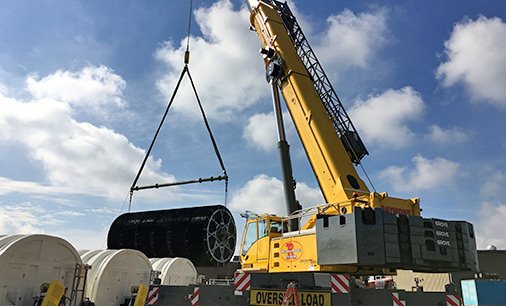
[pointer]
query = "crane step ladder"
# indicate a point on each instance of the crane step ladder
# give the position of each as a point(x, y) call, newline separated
point(291, 289)
point(79, 283)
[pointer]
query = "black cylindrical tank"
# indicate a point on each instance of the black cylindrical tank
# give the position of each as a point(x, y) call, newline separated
point(205, 235)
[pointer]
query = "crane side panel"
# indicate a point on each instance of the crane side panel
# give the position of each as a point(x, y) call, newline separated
point(294, 254)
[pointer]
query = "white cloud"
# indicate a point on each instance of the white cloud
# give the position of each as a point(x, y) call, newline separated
point(492, 213)
point(103, 211)
point(22, 219)
point(92, 87)
point(476, 57)
point(228, 71)
point(264, 194)
point(451, 135)
point(3, 89)
point(490, 226)
point(261, 131)
point(225, 65)
point(351, 39)
point(77, 157)
point(494, 186)
point(426, 174)
point(69, 213)
point(308, 196)
point(7, 186)
point(383, 119)
point(28, 219)
point(10, 225)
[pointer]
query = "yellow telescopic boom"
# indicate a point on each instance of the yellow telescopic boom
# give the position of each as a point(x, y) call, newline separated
point(327, 133)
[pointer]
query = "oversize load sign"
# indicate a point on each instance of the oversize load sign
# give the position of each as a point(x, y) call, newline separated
point(272, 297)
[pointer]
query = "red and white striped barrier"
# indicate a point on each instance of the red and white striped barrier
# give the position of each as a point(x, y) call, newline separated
point(153, 296)
point(242, 282)
point(452, 300)
point(340, 283)
point(396, 300)
point(194, 298)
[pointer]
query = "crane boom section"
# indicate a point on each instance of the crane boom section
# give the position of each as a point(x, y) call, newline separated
point(327, 154)
point(329, 138)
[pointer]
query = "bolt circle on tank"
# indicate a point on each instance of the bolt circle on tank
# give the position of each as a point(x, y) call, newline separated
point(205, 235)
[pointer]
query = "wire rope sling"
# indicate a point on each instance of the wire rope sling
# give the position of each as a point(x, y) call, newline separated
point(205, 235)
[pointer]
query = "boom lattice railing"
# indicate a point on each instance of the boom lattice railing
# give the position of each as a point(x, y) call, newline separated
point(337, 114)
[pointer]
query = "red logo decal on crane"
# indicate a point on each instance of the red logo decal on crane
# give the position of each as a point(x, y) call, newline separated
point(291, 251)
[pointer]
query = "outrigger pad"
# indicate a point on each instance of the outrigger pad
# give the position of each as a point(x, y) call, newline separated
point(379, 239)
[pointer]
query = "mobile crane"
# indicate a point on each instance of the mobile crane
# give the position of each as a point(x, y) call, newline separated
point(357, 231)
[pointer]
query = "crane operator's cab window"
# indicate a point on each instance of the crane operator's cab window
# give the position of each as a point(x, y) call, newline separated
point(250, 237)
point(259, 229)
point(278, 227)
point(251, 234)
point(263, 230)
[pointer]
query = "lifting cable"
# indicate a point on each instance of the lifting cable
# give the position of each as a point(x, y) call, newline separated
point(186, 70)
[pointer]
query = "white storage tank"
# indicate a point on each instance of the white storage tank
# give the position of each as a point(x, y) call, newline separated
point(87, 254)
point(175, 271)
point(27, 261)
point(113, 273)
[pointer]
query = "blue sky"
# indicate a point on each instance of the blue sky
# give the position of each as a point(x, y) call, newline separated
point(83, 85)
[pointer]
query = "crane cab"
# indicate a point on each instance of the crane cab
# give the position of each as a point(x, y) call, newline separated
point(256, 240)
point(269, 246)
